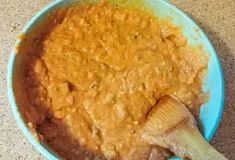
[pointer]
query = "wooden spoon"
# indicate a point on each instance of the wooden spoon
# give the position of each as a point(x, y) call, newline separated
point(171, 125)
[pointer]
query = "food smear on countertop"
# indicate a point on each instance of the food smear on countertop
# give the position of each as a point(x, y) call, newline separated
point(96, 72)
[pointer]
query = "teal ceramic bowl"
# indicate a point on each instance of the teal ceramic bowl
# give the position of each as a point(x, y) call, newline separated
point(210, 112)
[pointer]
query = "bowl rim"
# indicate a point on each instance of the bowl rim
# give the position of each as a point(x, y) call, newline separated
point(45, 151)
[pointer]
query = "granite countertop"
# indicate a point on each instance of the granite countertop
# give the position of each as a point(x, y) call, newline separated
point(217, 18)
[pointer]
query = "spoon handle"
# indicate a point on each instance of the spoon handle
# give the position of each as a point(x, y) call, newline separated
point(190, 142)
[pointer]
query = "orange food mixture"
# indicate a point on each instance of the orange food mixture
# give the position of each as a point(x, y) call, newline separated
point(101, 70)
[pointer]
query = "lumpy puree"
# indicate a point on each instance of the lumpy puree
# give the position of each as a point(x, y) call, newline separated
point(100, 70)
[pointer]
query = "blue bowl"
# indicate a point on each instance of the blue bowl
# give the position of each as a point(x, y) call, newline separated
point(210, 112)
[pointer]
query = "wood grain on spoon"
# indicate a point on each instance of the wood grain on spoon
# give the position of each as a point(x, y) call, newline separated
point(171, 125)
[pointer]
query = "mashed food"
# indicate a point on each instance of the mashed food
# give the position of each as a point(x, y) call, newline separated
point(98, 71)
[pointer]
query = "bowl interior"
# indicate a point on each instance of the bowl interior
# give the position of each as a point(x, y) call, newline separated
point(210, 112)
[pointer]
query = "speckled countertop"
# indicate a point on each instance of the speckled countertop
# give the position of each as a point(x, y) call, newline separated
point(216, 17)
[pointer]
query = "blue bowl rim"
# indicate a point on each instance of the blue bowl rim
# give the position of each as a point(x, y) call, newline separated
point(38, 145)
